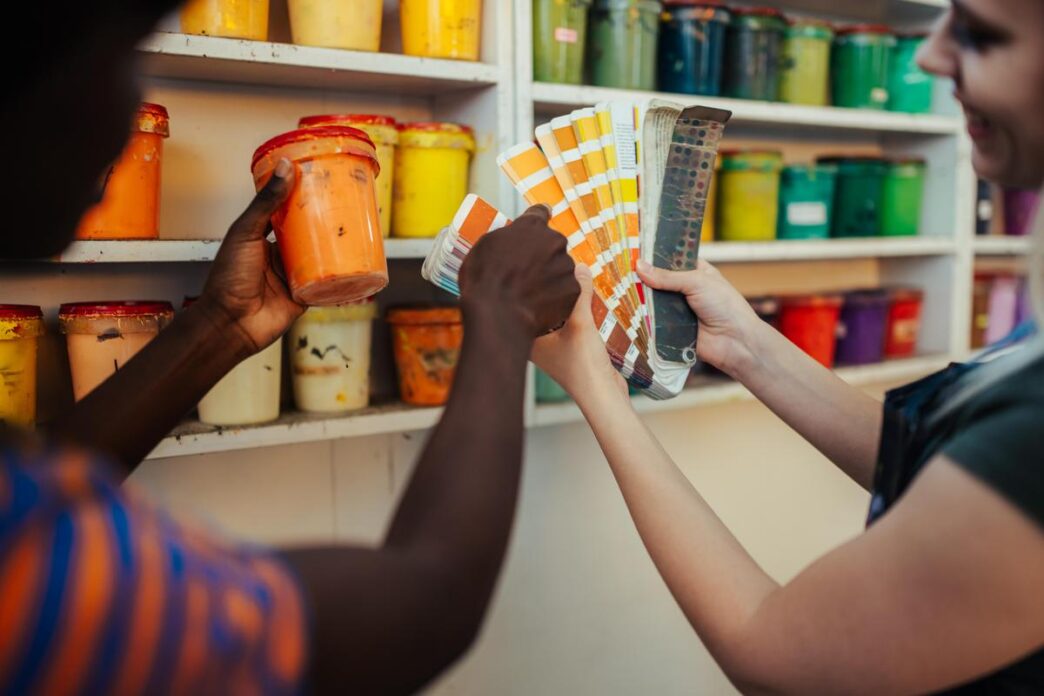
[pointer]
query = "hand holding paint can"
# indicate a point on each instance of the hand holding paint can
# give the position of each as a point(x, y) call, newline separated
point(329, 228)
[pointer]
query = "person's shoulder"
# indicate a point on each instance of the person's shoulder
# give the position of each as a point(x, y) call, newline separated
point(1022, 384)
point(999, 436)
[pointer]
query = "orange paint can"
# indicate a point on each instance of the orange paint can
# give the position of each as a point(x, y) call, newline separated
point(329, 229)
point(129, 207)
point(427, 344)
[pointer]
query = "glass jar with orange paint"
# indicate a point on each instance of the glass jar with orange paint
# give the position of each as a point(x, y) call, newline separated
point(385, 136)
point(427, 344)
point(130, 188)
point(329, 229)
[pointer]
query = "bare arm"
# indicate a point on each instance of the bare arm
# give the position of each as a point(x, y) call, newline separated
point(388, 620)
point(944, 588)
point(926, 599)
point(244, 308)
point(838, 419)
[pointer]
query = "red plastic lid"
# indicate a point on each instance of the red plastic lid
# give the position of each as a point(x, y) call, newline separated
point(811, 301)
point(153, 110)
point(152, 118)
point(906, 294)
point(757, 12)
point(864, 29)
point(435, 127)
point(337, 119)
point(131, 308)
point(303, 134)
point(20, 311)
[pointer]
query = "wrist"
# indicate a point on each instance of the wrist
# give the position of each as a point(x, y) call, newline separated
point(502, 322)
point(221, 330)
point(747, 352)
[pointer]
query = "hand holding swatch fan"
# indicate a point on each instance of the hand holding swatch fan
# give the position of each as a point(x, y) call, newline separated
point(623, 181)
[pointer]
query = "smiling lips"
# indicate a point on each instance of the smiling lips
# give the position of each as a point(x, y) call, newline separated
point(979, 127)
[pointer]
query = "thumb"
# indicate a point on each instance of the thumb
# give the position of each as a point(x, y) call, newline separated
point(661, 279)
point(253, 224)
point(585, 279)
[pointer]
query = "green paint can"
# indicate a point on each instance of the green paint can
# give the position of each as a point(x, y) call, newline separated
point(622, 43)
point(858, 195)
point(806, 201)
point(909, 88)
point(859, 66)
point(559, 37)
point(903, 198)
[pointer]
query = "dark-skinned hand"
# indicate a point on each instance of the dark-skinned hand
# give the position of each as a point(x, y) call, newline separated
point(245, 287)
point(523, 274)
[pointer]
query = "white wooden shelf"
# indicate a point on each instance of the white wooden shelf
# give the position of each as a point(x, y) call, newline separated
point(294, 428)
point(555, 98)
point(716, 391)
point(213, 59)
point(195, 250)
point(1002, 246)
point(816, 249)
point(203, 250)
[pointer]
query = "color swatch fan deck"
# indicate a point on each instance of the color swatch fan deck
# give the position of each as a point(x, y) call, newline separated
point(624, 181)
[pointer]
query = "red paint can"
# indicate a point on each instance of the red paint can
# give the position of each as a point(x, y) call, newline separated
point(810, 322)
point(904, 322)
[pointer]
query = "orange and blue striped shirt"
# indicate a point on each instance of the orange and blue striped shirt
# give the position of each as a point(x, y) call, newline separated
point(102, 594)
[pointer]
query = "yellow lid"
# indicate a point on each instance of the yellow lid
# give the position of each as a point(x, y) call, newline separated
point(437, 135)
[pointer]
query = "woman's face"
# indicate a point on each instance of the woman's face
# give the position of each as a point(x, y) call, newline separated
point(993, 50)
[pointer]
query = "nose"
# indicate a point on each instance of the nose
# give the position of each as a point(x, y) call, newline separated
point(939, 54)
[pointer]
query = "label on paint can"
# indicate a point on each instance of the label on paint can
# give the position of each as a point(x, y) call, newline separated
point(905, 330)
point(985, 210)
point(805, 214)
point(566, 35)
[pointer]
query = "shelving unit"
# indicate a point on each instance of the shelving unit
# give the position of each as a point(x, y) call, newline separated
point(195, 438)
point(816, 250)
point(227, 96)
point(552, 98)
point(717, 391)
point(213, 59)
point(1001, 246)
point(196, 251)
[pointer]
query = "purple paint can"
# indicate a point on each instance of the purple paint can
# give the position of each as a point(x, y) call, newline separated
point(1019, 208)
point(861, 333)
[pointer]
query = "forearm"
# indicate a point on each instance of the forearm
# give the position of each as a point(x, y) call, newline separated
point(716, 583)
point(839, 420)
point(128, 414)
point(459, 506)
point(389, 620)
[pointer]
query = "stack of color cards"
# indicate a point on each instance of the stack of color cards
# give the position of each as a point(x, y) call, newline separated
point(623, 181)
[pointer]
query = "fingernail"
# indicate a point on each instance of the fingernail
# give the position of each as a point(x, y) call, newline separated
point(643, 266)
point(282, 169)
